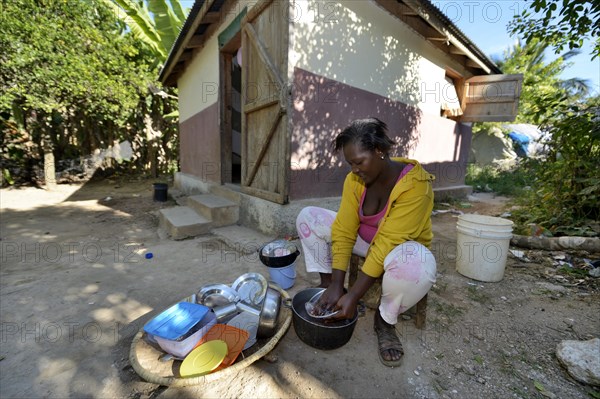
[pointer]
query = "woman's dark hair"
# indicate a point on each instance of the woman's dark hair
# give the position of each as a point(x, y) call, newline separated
point(370, 133)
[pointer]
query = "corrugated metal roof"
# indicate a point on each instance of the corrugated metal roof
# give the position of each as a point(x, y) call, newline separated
point(429, 6)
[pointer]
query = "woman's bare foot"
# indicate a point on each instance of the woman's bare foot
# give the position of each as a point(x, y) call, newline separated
point(389, 345)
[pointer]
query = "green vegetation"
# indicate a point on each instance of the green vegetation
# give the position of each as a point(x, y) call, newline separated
point(74, 81)
point(155, 24)
point(447, 309)
point(477, 295)
point(566, 187)
point(510, 182)
point(542, 84)
point(560, 23)
point(558, 191)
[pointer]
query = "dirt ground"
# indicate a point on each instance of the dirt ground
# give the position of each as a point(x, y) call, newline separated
point(75, 287)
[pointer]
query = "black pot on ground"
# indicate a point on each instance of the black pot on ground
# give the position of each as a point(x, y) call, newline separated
point(160, 192)
point(316, 332)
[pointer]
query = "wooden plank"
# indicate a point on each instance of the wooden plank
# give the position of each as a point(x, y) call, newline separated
point(245, 52)
point(491, 112)
point(225, 115)
point(265, 166)
point(264, 147)
point(411, 18)
point(257, 10)
point(268, 195)
point(186, 56)
point(456, 50)
point(473, 64)
point(495, 78)
point(264, 56)
point(508, 98)
point(492, 98)
point(493, 90)
point(212, 17)
point(260, 104)
point(285, 152)
point(195, 41)
point(396, 8)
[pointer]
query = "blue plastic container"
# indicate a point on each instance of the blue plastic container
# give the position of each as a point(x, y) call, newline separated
point(176, 321)
point(285, 276)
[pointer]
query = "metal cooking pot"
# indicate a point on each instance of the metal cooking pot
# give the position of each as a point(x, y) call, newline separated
point(316, 332)
point(268, 314)
point(278, 253)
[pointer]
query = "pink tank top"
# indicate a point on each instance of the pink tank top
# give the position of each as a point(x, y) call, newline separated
point(369, 224)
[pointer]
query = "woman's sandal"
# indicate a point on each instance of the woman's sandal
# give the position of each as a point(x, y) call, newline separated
point(388, 339)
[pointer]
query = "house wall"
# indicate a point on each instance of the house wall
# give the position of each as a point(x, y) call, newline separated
point(360, 44)
point(200, 144)
point(354, 60)
point(440, 144)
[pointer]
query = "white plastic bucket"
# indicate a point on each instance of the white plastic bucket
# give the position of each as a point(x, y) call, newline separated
point(285, 276)
point(482, 246)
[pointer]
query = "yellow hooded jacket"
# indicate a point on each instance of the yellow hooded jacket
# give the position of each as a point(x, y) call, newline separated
point(407, 218)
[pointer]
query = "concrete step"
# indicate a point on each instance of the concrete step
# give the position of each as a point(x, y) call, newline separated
point(232, 192)
point(220, 211)
point(182, 222)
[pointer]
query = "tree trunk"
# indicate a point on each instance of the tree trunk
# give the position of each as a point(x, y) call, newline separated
point(49, 168)
point(151, 136)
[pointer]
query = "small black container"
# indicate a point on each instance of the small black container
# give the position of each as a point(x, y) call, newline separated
point(315, 332)
point(160, 192)
point(268, 258)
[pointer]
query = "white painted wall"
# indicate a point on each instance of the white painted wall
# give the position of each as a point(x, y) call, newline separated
point(360, 44)
point(199, 83)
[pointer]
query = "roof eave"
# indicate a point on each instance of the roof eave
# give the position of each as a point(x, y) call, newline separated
point(187, 30)
point(436, 18)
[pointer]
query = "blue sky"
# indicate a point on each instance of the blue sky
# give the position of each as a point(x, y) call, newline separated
point(484, 22)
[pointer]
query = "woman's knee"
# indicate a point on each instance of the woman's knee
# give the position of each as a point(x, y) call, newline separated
point(303, 221)
point(314, 219)
point(410, 261)
point(305, 214)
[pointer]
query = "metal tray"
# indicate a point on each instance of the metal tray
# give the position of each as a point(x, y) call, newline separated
point(248, 322)
point(213, 295)
point(251, 287)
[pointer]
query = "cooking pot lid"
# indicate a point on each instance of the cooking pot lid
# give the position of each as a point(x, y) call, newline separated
point(204, 359)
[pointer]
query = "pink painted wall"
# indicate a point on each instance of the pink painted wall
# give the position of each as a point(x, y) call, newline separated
point(323, 107)
point(200, 147)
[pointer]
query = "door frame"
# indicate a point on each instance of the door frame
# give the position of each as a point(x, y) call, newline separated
point(230, 40)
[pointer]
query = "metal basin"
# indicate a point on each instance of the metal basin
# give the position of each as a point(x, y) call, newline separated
point(319, 333)
point(268, 313)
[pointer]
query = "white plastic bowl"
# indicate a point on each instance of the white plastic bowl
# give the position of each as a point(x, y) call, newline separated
point(181, 348)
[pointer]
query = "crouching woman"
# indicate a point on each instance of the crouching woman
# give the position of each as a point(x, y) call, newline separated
point(384, 216)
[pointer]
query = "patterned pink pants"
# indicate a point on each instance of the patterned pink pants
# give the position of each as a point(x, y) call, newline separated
point(409, 269)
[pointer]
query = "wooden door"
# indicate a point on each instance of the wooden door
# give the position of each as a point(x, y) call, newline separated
point(266, 102)
point(491, 98)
